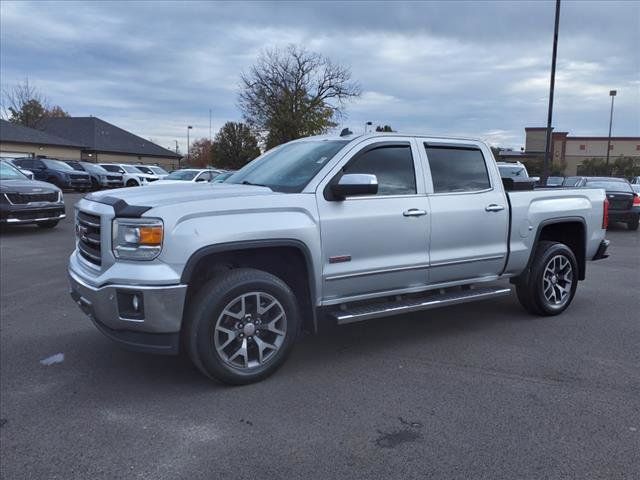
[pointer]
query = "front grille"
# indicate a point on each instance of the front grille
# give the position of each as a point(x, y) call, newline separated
point(75, 176)
point(34, 215)
point(113, 177)
point(88, 233)
point(23, 198)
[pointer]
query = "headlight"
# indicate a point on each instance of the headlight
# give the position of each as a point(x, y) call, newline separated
point(142, 179)
point(60, 199)
point(137, 239)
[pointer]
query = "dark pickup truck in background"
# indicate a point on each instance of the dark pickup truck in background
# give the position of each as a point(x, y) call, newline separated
point(57, 172)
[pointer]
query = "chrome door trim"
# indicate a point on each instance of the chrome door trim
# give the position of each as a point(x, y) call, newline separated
point(470, 260)
point(375, 272)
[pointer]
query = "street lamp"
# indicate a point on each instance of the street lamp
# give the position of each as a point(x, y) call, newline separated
point(612, 94)
point(189, 127)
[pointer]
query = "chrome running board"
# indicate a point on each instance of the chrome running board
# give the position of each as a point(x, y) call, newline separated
point(399, 307)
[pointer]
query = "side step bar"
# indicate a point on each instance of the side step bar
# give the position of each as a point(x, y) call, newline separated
point(376, 310)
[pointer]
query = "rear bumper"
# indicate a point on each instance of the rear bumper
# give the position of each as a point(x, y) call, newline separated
point(602, 250)
point(624, 215)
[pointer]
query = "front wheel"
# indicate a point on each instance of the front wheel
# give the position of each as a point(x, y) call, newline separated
point(132, 183)
point(633, 224)
point(241, 326)
point(551, 284)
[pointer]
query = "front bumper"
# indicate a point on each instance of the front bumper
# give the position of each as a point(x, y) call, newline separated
point(156, 330)
point(30, 213)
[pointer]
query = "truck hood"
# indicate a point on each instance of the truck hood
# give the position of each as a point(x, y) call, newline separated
point(161, 195)
point(26, 186)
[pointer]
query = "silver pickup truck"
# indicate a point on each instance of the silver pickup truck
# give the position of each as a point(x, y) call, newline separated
point(323, 229)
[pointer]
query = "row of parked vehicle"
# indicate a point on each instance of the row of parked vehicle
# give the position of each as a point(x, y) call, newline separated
point(623, 195)
point(31, 188)
point(85, 176)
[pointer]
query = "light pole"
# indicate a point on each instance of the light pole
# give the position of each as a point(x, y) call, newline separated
point(612, 94)
point(189, 127)
point(365, 126)
point(547, 149)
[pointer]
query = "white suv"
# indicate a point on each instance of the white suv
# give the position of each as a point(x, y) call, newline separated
point(131, 175)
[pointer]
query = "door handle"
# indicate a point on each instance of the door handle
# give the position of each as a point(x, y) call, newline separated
point(414, 212)
point(494, 208)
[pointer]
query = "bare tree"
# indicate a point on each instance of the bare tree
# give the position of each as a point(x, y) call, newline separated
point(294, 93)
point(24, 104)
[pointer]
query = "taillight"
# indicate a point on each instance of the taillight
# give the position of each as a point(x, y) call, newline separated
point(605, 214)
point(636, 200)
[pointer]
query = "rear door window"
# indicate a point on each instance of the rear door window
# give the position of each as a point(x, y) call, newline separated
point(455, 169)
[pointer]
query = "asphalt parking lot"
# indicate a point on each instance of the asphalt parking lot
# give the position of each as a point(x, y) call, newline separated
point(474, 391)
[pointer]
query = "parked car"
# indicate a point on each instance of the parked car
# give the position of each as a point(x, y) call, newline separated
point(23, 200)
point(624, 203)
point(100, 178)
point(636, 188)
point(576, 181)
point(131, 175)
point(338, 229)
point(223, 177)
point(555, 181)
point(190, 175)
point(153, 170)
point(515, 171)
point(57, 172)
point(635, 181)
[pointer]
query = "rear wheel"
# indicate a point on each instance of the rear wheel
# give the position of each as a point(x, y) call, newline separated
point(49, 224)
point(551, 284)
point(633, 224)
point(241, 326)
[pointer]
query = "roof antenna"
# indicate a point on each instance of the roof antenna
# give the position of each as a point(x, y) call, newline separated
point(345, 132)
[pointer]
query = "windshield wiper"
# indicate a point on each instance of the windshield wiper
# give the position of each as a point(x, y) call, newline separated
point(246, 182)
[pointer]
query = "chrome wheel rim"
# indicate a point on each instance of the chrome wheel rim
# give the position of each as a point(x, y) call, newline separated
point(557, 280)
point(250, 330)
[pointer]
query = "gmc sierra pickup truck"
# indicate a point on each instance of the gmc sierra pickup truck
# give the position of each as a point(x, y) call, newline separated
point(323, 229)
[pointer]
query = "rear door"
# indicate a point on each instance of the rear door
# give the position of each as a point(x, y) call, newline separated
point(469, 213)
point(376, 243)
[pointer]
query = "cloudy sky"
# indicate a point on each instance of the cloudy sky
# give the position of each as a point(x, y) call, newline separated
point(456, 68)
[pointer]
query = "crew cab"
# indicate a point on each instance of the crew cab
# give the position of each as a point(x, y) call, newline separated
point(324, 229)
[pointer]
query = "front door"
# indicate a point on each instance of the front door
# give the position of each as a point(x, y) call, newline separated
point(469, 214)
point(376, 243)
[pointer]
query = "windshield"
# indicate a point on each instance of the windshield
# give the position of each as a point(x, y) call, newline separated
point(57, 165)
point(112, 168)
point(159, 170)
point(7, 172)
point(75, 166)
point(222, 177)
point(611, 185)
point(290, 167)
point(182, 175)
point(144, 169)
point(515, 171)
point(131, 169)
point(90, 167)
point(636, 187)
point(555, 180)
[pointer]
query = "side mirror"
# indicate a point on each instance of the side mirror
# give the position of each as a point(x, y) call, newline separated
point(352, 184)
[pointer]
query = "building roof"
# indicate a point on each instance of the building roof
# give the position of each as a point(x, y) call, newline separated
point(12, 133)
point(101, 136)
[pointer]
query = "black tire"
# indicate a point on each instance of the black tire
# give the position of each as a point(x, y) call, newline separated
point(633, 224)
point(531, 290)
point(132, 183)
point(94, 184)
point(207, 307)
point(49, 224)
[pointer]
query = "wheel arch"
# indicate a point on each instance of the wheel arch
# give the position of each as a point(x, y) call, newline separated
point(572, 231)
point(298, 270)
